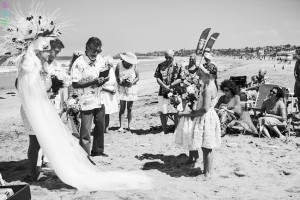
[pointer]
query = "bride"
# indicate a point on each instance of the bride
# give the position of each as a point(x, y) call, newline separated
point(68, 159)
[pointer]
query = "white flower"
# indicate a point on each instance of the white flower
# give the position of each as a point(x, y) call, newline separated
point(71, 102)
point(63, 76)
point(191, 89)
point(170, 94)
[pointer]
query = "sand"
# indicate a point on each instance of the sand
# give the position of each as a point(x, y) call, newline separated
point(245, 167)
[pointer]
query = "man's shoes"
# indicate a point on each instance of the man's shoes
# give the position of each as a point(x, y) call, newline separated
point(98, 154)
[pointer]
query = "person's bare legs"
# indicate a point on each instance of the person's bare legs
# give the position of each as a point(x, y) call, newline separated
point(129, 113)
point(266, 132)
point(193, 156)
point(277, 131)
point(164, 120)
point(263, 130)
point(122, 112)
point(208, 158)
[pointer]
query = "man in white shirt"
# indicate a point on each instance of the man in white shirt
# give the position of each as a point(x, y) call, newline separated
point(85, 77)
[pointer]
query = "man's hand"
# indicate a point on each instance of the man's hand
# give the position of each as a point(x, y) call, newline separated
point(100, 81)
point(113, 92)
point(167, 88)
point(128, 84)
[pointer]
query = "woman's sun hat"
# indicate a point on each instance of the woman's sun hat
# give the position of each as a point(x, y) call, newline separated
point(208, 56)
point(130, 58)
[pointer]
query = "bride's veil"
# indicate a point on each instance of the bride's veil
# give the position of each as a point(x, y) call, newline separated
point(67, 157)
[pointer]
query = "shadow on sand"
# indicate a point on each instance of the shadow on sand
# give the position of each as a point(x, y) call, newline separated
point(19, 171)
point(170, 164)
point(153, 130)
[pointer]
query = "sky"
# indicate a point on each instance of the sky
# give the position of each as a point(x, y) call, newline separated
point(149, 25)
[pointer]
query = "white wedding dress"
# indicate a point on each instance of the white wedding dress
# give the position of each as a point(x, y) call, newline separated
point(67, 157)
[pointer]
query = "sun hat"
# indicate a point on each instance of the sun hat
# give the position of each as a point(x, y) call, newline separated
point(130, 58)
point(208, 55)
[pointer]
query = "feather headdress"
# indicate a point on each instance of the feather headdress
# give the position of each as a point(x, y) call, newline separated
point(22, 30)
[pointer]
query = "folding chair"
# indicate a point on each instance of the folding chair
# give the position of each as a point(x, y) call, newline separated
point(263, 93)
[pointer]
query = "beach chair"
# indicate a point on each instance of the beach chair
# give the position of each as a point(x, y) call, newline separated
point(263, 93)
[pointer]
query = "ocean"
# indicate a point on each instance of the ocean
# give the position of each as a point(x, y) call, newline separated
point(146, 65)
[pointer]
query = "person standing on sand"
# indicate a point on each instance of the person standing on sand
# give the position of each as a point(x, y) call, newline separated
point(189, 76)
point(85, 76)
point(108, 92)
point(297, 77)
point(34, 150)
point(206, 127)
point(56, 97)
point(168, 76)
point(127, 76)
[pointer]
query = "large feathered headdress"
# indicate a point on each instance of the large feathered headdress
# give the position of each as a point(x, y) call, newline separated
point(22, 30)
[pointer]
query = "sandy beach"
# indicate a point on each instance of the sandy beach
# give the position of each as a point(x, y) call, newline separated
point(245, 167)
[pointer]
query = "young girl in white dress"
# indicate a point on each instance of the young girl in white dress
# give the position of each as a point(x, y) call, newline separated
point(127, 75)
point(206, 130)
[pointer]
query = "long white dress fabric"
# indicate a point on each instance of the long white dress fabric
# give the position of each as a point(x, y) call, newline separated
point(67, 158)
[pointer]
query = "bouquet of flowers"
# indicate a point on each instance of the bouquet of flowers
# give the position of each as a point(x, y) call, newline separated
point(72, 107)
point(189, 79)
point(191, 95)
point(60, 79)
point(174, 97)
point(127, 79)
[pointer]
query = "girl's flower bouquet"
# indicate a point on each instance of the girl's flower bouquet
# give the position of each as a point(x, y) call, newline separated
point(191, 95)
point(127, 79)
point(60, 79)
point(189, 79)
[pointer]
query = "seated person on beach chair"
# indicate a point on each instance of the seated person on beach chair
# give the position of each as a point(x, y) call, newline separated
point(230, 111)
point(273, 113)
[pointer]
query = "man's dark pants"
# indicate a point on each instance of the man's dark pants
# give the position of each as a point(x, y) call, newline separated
point(32, 154)
point(97, 116)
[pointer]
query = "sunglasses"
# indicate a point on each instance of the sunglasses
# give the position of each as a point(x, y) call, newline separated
point(272, 92)
point(168, 58)
point(94, 51)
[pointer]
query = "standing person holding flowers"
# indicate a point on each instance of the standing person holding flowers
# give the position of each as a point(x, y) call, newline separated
point(59, 80)
point(206, 130)
point(127, 75)
point(190, 82)
point(58, 75)
point(168, 76)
